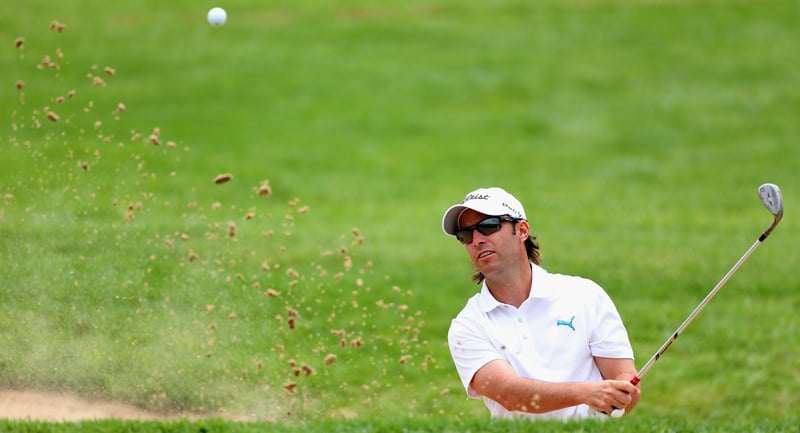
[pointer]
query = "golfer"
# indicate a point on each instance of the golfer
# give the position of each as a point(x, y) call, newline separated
point(531, 343)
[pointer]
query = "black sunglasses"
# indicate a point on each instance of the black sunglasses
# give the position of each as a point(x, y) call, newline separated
point(486, 227)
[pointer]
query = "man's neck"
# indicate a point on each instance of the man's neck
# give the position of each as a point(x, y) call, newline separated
point(512, 288)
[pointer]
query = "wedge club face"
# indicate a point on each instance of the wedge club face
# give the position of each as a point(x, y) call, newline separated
point(770, 195)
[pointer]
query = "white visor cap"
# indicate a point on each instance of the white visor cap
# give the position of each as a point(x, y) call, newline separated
point(488, 201)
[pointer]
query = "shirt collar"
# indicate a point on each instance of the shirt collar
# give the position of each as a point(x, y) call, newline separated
point(539, 289)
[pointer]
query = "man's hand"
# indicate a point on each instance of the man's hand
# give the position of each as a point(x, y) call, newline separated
point(621, 370)
point(608, 395)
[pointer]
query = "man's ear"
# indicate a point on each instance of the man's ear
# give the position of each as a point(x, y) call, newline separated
point(523, 230)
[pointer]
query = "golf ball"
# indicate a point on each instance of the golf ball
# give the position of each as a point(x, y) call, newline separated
point(217, 16)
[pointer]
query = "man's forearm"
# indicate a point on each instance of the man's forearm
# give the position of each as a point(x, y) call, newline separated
point(529, 395)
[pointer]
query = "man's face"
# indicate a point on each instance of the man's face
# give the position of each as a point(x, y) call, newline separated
point(493, 252)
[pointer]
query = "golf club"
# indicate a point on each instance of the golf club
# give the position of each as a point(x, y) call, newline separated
point(770, 195)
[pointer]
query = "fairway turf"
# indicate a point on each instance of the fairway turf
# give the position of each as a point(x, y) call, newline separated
point(634, 132)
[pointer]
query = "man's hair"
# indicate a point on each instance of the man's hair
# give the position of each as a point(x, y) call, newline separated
point(531, 247)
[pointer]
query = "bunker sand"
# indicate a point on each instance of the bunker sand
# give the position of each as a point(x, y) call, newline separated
point(64, 407)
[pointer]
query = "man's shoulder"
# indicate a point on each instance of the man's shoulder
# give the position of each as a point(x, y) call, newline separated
point(471, 307)
point(470, 313)
point(568, 284)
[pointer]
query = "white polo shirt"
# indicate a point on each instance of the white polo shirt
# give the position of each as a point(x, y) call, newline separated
point(554, 336)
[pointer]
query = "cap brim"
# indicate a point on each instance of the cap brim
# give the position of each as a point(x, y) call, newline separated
point(450, 219)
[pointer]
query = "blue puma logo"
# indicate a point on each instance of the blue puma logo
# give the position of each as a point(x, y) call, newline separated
point(565, 323)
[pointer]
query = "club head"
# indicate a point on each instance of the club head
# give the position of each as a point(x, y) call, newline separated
point(770, 195)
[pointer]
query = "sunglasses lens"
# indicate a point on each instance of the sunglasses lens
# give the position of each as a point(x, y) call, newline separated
point(486, 227)
point(464, 236)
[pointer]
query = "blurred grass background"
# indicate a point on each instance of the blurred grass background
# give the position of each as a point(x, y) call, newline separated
point(635, 133)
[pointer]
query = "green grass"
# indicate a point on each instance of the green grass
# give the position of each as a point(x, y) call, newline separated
point(635, 133)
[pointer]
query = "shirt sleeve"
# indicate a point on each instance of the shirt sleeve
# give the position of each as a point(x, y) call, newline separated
point(609, 338)
point(470, 348)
